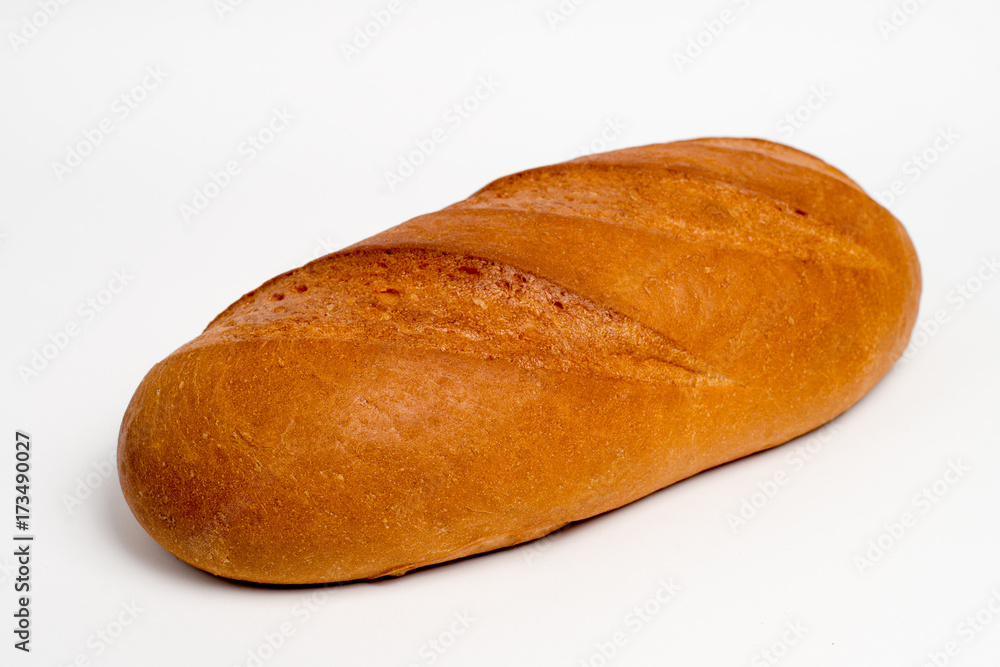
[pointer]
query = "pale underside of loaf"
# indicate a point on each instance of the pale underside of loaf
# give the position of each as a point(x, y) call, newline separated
point(563, 342)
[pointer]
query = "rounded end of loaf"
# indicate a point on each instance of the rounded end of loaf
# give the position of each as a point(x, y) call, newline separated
point(316, 461)
point(228, 458)
point(204, 482)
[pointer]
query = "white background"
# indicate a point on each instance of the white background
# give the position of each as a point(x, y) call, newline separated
point(884, 96)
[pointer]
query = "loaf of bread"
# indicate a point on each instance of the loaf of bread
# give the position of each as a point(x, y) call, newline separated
point(564, 341)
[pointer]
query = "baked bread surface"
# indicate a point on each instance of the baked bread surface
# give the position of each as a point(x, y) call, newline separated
point(564, 341)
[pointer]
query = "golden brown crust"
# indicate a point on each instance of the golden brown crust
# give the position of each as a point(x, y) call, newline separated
point(565, 341)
